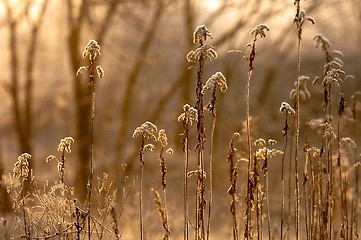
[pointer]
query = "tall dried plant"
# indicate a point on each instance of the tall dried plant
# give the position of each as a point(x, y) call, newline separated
point(259, 30)
point(146, 131)
point(288, 111)
point(219, 80)
point(299, 19)
point(198, 57)
point(187, 118)
point(92, 52)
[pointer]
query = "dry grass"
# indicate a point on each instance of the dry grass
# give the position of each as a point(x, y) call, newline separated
point(325, 206)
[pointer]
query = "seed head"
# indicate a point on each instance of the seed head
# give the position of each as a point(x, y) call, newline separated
point(189, 115)
point(218, 79)
point(285, 107)
point(260, 30)
point(170, 151)
point(202, 52)
point(21, 167)
point(92, 50)
point(322, 41)
point(162, 138)
point(348, 142)
point(147, 130)
point(149, 147)
point(304, 93)
point(64, 144)
point(201, 33)
point(100, 71)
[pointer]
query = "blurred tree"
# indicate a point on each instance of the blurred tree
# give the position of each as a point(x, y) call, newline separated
point(15, 14)
point(128, 99)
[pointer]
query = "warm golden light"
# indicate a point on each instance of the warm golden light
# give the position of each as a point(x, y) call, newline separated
point(212, 4)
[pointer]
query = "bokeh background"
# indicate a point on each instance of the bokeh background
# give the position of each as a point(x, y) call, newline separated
point(144, 44)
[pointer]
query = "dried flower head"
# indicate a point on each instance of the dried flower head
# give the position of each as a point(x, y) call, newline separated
point(322, 41)
point(260, 30)
point(149, 147)
point(100, 71)
point(202, 52)
point(285, 107)
point(170, 151)
point(218, 79)
point(189, 115)
point(21, 167)
point(348, 142)
point(334, 75)
point(264, 153)
point(80, 71)
point(146, 130)
point(272, 142)
point(302, 17)
point(303, 90)
point(260, 142)
point(92, 50)
point(200, 34)
point(64, 145)
point(162, 138)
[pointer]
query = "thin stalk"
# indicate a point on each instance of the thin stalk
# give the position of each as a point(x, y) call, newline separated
point(355, 199)
point(92, 118)
point(233, 172)
point(249, 165)
point(185, 194)
point(141, 152)
point(285, 134)
point(266, 195)
point(211, 171)
point(200, 201)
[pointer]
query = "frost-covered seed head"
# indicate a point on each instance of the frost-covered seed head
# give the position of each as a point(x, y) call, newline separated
point(260, 30)
point(162, 138)
point(170, 151)
point(147, 130)
point(100, 71)
point(217, 78)
point(348, 142)
point(64, 145)
point(149, 147)
point(322, 41)
point(92, 50)
point(80, 71)
point(303, 90)
point(202, 52)
point(285, 107)
point(189, 115)
point(201, 33)
point(260, 142)
point(21, 167)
